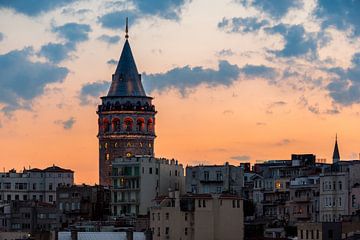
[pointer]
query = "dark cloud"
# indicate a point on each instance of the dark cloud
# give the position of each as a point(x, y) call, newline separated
point(33, 7)
point(345, 87)
point(66, 124)
point(109, 39)
point(275, 9)
point(237, 24)
point(225, 53)
point(186, 78)
point(22, 80)
point(297, 41)
point(341, 14)
point(168, 9)
point(259, 71)
point(112, 62)
point(244, 158)
point(56, 52)
point(116, 20)
point(92, 91)
point(73, 32)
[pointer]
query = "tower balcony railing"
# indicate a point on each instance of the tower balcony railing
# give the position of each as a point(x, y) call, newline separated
point(126, 107)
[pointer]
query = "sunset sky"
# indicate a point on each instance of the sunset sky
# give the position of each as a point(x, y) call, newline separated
point(236, 81)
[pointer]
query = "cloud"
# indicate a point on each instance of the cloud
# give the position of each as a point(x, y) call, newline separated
point(273, 105)
point(345, 87)
point(168, 9)
point(276, 9)
point(23, 80)
point(297, 41)
point(66, 124)
point(112, 62)
point(225, 53)
point(33, 7)
point(1, 36)
point(261, 123)
point(186, 78)
point(259, 71)
point(283, 142)
point(237, 24)
point(109, 39)
point(56, 52)
point(244, 158)
point(228, 112)
point(73, 32)
point(340, 14)
point(116, 20)
point(90, 91)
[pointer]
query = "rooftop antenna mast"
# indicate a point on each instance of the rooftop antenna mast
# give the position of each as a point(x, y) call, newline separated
point(126, 29)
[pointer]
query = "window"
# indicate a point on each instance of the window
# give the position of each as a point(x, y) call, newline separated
point(206, 175)
point(317, 234)
point(8, 197)
point(50, 198)
point(153, 216)
point(158, 232)
point(167, 216)
point(186, 231)
point(334, 185)
point(34, 197)
point(50, 186)
point(16, 197)
point(218, 175)
point(157, 171)
point(339, 201)
point(199, 203)
point(218, 189)
point(167, 231)
point(193, 174)
point(330, 234)
point(186, 216)
point(233, 203)
point(34, 186)
point(158, 216)
point(340, 185)
point(238, 203)
point(204, 203)
point(107, 157)
point(25, 197)
point(150, 170)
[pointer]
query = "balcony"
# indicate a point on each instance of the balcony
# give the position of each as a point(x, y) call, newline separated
point(302, 215)
point(211, 180)
point(301, 199)
point(125, 202)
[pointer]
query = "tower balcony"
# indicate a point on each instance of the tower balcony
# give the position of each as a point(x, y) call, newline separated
point(127, 107)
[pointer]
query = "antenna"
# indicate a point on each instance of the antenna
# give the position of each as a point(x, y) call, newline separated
point(126, 29)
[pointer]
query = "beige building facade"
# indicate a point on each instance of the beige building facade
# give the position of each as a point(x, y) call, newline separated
point(198, 217)
point(137, 181)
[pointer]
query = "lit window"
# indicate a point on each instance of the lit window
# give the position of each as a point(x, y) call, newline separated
point(106, 145)
point(128, 154)
point(107, 157)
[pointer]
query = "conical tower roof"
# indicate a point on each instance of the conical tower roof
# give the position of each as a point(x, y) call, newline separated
point(126, 79)
point(336, 154)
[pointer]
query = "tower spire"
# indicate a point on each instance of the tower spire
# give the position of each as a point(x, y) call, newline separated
point(126, 29)
point(336, 154)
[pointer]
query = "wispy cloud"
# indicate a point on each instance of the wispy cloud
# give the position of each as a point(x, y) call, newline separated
point(66, 124)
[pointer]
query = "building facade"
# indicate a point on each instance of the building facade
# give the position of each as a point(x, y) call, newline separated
point(137, 181)
point(82, 202)
point(34, 184)
point(205, 179)
point(126, 117)
point(198, 217)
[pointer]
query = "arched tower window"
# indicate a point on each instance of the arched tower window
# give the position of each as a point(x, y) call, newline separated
point(150, 125)
point(128, 124)
point(116, 127)
point(106, 125)
point(140, 123)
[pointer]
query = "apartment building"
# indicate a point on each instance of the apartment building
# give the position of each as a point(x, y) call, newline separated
point(204, 179)
point(136, 181)
point(197, 217)
point(34, 184)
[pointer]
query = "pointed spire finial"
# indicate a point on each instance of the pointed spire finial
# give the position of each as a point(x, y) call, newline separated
point(126, 29)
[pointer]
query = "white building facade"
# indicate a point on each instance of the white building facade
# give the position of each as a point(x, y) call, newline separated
point(34, 184)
